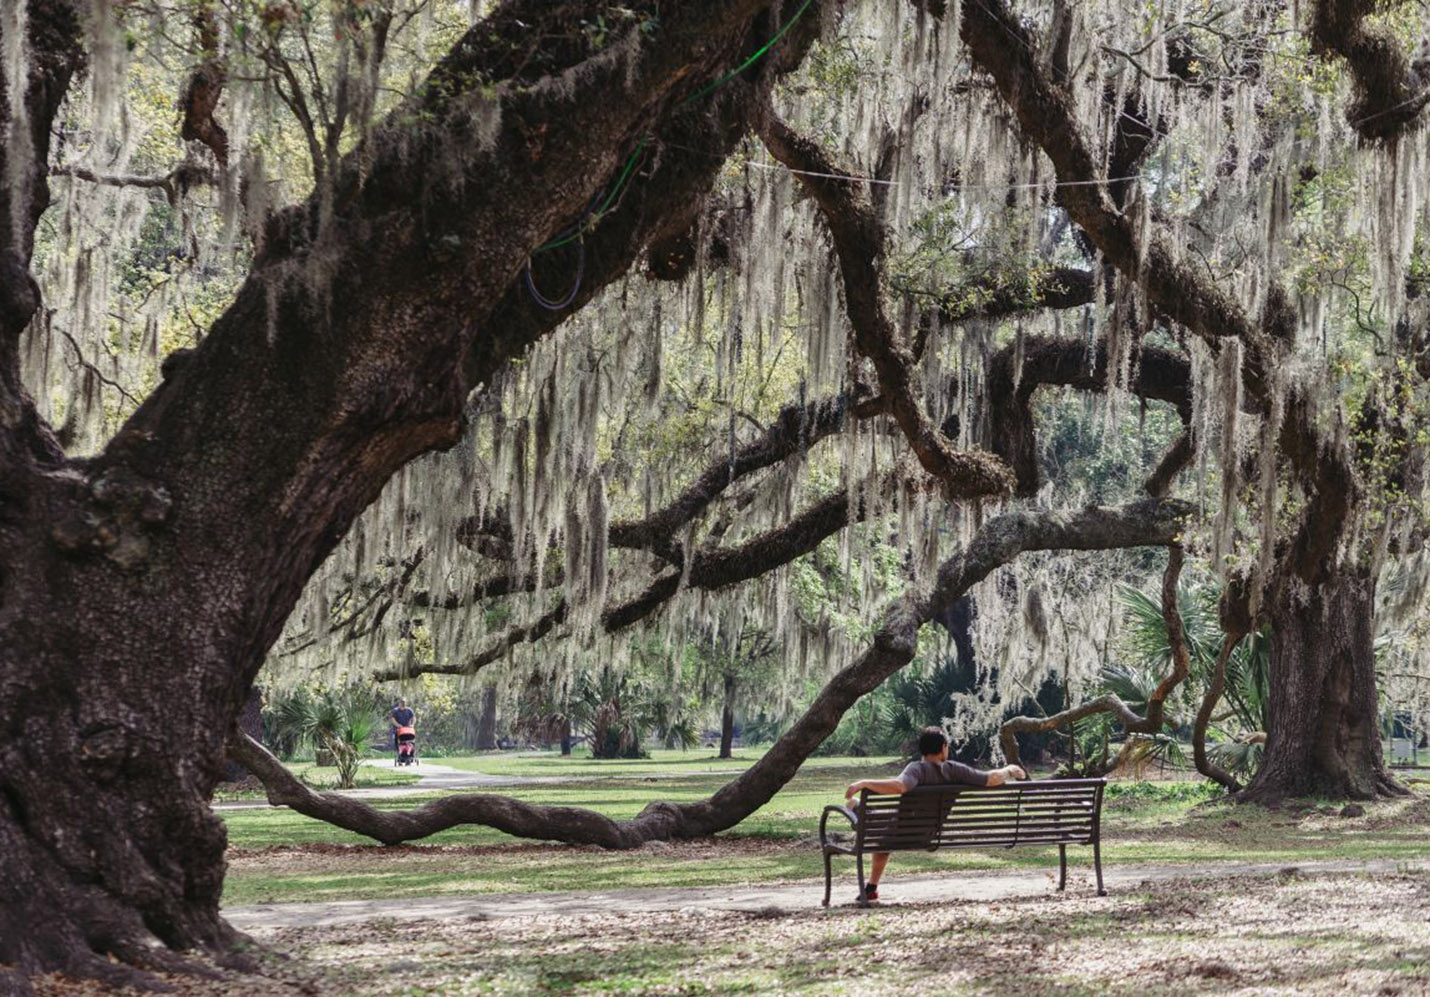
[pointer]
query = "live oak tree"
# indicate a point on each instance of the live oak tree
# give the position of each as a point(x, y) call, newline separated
point(142, 585)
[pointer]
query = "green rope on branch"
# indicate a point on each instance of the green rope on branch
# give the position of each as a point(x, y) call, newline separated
point(629, 169)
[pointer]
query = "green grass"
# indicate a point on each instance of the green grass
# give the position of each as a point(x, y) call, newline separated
point(1143, 822)
point(368, 777)
point(663, 762)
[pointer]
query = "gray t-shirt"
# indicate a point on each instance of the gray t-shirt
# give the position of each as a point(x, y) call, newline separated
point(922, 773)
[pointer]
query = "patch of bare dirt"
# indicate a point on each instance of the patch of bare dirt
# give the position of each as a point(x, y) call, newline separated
point(1330, 934)
point(695, 848)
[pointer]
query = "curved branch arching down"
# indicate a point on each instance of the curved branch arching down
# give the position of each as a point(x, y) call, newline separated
point(1150, 522)
point(859, 243)
point(1111, 703)
point(1390, 93)
point(1017, 370)
point(1212, 696)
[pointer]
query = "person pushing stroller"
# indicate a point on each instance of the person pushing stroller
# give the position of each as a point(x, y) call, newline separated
point(402, 719)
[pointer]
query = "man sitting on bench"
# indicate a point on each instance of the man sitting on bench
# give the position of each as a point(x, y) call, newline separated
point(932, 770)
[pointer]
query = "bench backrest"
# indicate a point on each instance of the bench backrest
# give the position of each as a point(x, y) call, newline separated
point(1043, 811)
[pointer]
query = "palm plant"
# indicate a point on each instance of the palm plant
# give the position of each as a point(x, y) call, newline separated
point(340, 722)
point(916, 701)
point(283, 724)
point(1246, 692)
point(765, 727)
point(617, 712)
point(1240, 756)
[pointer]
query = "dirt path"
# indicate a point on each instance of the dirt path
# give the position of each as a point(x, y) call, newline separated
point(977, 886)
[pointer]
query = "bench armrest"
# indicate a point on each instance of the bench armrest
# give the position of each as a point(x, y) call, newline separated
point(844, 812)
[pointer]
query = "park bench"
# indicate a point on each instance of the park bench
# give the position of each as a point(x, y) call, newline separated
point(1058, 812)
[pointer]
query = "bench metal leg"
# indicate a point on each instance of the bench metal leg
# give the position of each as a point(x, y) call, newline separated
point(1097, 864)
point(1062, 867)
point(859, 863)
point(826, 879)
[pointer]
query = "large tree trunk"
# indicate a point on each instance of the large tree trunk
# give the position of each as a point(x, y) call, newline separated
point(250, 722)
point(727, 718)
point(487, 721)
point(1324, 739)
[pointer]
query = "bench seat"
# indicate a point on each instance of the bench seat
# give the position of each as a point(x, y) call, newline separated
point(1058, 812)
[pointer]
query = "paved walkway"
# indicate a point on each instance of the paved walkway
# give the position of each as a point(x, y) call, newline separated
point(436, 778)
point(977, 886)
point(431, 778)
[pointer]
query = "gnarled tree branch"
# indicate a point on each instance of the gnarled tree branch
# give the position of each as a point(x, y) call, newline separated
point(1150, 723)
point(1210, 698)
point(1015, 373)
point(1389, 94)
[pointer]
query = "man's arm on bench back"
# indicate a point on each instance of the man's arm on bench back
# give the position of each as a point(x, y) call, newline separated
point(887, 787)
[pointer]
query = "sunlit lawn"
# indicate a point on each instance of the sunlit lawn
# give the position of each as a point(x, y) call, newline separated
point(326, 777)
point(1164, 823)
point(662, 762)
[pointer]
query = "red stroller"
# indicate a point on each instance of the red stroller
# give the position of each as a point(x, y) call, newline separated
point(406, 746)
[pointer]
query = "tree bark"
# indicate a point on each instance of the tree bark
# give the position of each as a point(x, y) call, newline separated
point(250, 721)
point(1324, 736)
point(727, 718)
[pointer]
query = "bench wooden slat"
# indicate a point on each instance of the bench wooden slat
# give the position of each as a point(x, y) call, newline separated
point(1073, 811)
point(1011, 803)
point(915, 838)
point(955, 812)
point(971, 827)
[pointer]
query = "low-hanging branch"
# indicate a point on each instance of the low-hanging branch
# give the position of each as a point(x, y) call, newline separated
point(796, 428)
point(1149, 522)
point(1110, 703)
point(859, 238)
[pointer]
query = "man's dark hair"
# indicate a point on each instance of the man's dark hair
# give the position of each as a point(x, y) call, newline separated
point(931, 741)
